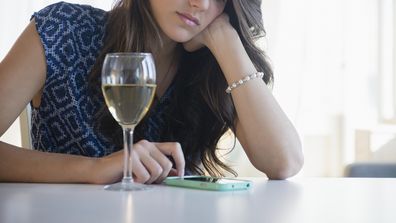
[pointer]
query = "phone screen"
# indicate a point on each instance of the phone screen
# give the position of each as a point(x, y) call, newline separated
point(212, 180)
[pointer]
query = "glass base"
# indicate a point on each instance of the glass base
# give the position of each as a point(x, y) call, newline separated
point(122, 186)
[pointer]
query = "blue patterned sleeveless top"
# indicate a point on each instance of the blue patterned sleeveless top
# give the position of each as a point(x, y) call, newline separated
point(72, 36)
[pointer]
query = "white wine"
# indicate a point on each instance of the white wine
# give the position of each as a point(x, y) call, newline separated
point(128, 103)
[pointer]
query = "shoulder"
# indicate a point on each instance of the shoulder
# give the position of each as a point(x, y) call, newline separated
point(71, 36)
point(66, 28)
point(67, 15)
point(69, 11)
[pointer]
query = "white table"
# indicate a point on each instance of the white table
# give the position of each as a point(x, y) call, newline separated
point(316, 200)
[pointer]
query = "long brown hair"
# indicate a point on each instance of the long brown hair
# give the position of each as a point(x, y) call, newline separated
point(200, 112)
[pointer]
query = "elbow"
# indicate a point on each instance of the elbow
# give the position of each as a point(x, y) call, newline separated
point(285, 171)
point(283, 165)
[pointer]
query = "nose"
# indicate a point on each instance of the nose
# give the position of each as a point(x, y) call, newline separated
point(200, 4)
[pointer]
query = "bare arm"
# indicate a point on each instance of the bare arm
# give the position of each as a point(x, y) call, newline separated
point(150, 165)
point(266, 134)
point(23, 165)
point(22, 75)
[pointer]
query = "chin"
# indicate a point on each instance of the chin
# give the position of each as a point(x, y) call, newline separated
point(180, 36)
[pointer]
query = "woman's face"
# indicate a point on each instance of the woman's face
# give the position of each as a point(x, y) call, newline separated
point(181, 20)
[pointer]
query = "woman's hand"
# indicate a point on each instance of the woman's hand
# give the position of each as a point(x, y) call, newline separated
point(216, 32)
point(150, 163)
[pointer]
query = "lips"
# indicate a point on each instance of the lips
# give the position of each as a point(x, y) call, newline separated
point(188, 19)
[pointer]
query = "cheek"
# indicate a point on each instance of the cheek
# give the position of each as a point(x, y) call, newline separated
point(219, 9)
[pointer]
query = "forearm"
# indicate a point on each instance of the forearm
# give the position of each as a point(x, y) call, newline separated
point(268, 137)
point(23, 165)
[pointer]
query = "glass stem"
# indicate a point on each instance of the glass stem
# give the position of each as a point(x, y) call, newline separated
point(128, 143)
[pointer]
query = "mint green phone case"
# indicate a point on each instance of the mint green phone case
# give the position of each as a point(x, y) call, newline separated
point(209, 183)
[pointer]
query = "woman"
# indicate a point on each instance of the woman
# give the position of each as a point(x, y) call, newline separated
point(200, 47)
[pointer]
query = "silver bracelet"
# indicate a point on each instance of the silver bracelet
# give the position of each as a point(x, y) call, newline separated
point(244, 80)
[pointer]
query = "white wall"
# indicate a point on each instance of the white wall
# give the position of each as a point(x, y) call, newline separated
point(327, 76)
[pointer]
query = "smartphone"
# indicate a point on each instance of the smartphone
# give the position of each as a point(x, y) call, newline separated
point(209, 183)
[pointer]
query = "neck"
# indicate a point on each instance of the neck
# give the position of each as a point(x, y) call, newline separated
point(166, 64)
point(168, 49)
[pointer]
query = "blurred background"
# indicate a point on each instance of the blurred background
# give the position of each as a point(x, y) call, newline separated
point(335, 77)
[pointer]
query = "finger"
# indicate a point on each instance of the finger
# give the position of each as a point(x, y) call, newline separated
point(164, 162)
point(145, 148)
point(153, 167)
point(175, 151)
point(163, 176)
point(140, 172)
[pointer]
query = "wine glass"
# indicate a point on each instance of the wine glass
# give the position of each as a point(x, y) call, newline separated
point(128, 86)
